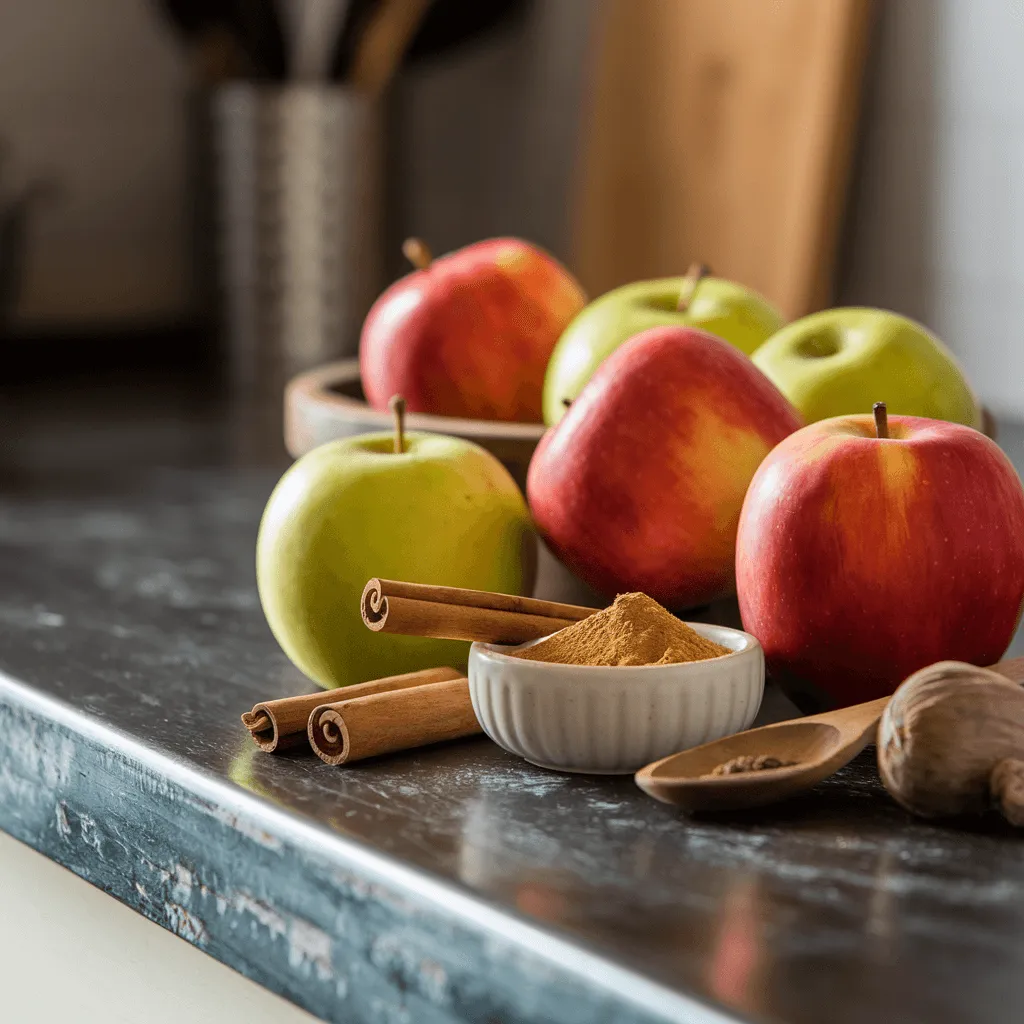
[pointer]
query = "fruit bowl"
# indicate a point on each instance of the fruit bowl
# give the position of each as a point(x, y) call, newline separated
point(327, 403)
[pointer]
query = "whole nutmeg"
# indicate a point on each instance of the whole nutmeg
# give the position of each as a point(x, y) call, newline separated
point(951, 742)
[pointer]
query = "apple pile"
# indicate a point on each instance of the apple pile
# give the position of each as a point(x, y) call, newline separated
point(500, 330)
point(676, 463)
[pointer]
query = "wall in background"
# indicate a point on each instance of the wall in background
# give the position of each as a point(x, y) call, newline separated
point(937, 227)
point(486, 145)
point(91, 94)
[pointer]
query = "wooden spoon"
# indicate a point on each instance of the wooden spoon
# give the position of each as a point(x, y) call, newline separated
point(811, 749)
point(383, 45)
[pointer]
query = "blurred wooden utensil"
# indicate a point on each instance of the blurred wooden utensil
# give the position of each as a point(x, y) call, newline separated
point(722, 132)
point(388, 35)
point(447, 25)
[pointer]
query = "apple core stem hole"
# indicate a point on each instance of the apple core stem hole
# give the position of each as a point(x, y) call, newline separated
point(820, 346)
point(397, 407)
point(417, 252)
point(693, 277)
point(881, 420)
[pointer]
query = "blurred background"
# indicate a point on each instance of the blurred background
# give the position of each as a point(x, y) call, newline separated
point(810, 150)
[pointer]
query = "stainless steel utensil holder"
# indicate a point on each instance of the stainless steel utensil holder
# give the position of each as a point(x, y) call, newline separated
point(299, 183)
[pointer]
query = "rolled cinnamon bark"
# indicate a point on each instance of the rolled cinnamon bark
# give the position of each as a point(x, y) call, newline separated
point(383, 723)
point(279, 725)
point(452, 613)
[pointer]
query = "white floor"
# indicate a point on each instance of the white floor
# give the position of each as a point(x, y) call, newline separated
point(70, 952)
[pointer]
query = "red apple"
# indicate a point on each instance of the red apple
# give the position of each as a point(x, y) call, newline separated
point(469, 334)
point(639, 486)
point(861, 559)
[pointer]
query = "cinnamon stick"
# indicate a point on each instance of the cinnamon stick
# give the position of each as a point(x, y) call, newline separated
point(383, 723)
point(279, 725)
point(452, 613)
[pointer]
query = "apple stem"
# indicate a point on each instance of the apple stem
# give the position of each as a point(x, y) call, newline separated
point(881, 420)
point(397, 407)
point(417, 252)
point(692, 278)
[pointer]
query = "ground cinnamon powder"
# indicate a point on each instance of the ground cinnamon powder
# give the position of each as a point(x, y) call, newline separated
point(635, 630)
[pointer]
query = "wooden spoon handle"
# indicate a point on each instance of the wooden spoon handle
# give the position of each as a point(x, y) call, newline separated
point(853, 717)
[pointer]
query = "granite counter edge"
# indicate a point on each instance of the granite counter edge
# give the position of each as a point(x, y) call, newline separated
point(340, 930)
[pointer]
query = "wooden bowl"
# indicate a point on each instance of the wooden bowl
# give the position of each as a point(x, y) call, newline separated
point(327, 403)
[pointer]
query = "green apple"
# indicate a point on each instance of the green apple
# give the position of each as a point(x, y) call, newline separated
point(841, 361)
point(444, 511)
point(734, 313)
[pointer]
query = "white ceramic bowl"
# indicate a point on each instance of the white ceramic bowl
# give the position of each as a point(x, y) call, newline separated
point(614, 720)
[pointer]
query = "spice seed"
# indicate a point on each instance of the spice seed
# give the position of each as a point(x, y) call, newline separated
point(750, 763)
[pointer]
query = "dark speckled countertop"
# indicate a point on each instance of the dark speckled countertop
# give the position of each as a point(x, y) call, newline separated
point(451, 884)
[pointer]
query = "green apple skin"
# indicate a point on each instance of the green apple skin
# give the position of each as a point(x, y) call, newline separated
point(734, 313)
point(841, 361)
point(444, 512)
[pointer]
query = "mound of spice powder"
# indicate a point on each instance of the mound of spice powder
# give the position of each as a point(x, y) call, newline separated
point(635, 630)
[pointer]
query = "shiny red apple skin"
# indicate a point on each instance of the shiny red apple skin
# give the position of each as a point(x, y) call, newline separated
point(470, 335)
point(861, 560)
point(639, 486)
